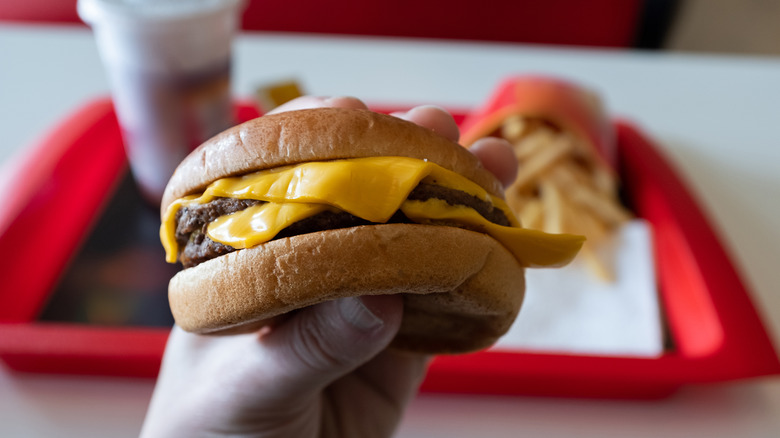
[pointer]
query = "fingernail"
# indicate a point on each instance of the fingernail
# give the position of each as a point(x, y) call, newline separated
point(428, 108)
point(344, 102)
point(356, 313)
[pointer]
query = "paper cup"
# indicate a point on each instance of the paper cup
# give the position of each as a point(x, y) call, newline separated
point(168, 64)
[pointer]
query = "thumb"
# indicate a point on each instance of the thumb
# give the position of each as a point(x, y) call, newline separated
point(324, 342)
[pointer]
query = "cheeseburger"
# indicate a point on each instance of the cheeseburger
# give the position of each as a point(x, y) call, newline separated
point(296, 208)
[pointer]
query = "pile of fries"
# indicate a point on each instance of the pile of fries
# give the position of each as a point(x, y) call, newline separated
point(562, 186)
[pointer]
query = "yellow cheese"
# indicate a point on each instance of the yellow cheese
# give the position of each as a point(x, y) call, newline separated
point(370, 188)
point(532, 248)
point(259, 223)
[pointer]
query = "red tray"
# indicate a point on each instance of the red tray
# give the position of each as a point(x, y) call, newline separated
point(714, 329)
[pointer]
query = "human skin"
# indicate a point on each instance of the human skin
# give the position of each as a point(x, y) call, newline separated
point(323, 371)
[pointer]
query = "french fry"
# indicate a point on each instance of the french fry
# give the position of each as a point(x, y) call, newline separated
point(534, 142)
point(604, 180)
point(554, 206)
point(587, 196)
point(587, 224)
point(609, 212)
point(532, 214)
point(271, 95)
point(600, 267)
point(542, 161)
point(514, 128)
point(561, 189)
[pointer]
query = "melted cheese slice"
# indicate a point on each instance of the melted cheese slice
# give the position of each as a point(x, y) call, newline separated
point(370, 188)
point(532, 248)
point(259, 223)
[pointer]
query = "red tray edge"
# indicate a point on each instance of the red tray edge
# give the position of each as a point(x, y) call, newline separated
point(29, 355)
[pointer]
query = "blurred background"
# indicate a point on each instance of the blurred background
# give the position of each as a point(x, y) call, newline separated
point(746, 30)
point(711, 26)
point(726, 26)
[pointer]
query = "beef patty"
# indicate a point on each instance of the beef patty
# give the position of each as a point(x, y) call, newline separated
point(196, 247)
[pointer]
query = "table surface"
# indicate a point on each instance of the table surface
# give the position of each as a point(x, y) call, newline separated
point(715, 117)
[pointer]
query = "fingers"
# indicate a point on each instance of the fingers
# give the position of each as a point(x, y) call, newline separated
point(498, 157)
point(305, 102)
point(495, 154)
point(395, 375)
point(326, 341)
point(434, 118)
point(385, 384)
point(429, 116)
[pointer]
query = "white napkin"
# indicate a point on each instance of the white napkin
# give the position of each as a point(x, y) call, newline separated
point(570, 311)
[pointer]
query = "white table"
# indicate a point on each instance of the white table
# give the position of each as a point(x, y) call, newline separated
point(716, 117)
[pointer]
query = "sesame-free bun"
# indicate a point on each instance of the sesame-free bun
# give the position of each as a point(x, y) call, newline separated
point(462, 289)
point(317, 135)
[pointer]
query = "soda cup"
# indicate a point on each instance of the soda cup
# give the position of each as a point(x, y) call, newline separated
point(168, 64)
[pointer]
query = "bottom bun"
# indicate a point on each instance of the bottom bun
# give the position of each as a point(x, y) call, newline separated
point(462, 289)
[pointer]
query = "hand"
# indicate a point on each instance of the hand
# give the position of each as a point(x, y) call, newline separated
point(323, 372)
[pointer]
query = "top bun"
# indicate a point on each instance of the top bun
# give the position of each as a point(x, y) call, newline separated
point(462, 289)
point(317, 135)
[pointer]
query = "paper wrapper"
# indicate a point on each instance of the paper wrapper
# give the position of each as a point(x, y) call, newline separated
point(566, 311)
